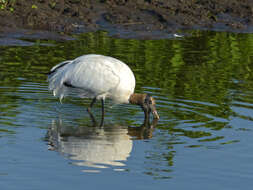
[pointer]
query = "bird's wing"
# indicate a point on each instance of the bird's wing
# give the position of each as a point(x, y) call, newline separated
point(58, 66)
point(93, 78)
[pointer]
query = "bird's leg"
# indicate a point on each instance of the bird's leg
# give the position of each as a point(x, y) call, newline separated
point(103, 112)
point(146, 117)
point(91, 104)
point(89, 110)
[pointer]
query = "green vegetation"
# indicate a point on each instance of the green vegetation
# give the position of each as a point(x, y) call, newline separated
point(3, 4)
point(52, 4)
point(7, 5)
point(34, 6)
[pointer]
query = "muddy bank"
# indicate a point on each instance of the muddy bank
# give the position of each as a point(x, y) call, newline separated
point(129, 18)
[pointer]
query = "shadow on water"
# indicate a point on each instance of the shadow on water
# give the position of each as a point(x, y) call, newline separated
point(97, 147)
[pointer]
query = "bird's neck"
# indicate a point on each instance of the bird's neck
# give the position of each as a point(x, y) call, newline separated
point(137, 99)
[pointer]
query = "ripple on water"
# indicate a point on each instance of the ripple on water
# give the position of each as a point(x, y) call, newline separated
point(202, 86)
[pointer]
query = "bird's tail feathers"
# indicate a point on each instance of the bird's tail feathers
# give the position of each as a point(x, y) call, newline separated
point(56, 78)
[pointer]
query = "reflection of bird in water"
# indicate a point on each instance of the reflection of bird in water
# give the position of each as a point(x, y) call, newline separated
point(96, 147)
point(145, 131)
point(99, 77)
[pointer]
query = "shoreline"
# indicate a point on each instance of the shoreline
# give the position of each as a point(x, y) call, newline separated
point(142, 19)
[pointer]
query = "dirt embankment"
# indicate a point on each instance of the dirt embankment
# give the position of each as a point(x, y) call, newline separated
point(126, 16)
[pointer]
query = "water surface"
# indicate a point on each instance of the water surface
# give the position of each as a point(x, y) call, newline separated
point(203, 87)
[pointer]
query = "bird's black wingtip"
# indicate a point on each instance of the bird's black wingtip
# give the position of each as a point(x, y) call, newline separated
point(49, 73)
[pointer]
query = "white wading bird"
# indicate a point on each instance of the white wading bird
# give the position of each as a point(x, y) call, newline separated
point(99, 77)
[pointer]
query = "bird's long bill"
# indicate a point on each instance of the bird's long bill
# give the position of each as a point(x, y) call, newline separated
point(154, 112)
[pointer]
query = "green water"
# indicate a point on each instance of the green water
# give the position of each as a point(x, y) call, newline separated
point(202, 84)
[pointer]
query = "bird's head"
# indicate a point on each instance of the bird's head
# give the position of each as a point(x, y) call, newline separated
point(146, 102)
point(149, 106)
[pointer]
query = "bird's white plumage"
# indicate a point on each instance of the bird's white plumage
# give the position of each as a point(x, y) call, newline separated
point(93, 76)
